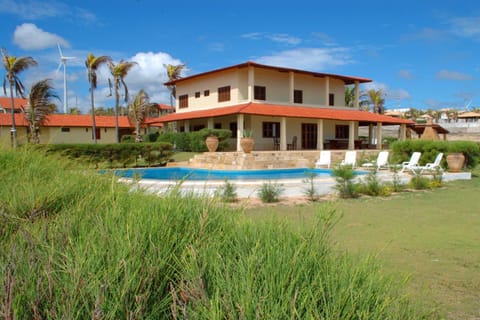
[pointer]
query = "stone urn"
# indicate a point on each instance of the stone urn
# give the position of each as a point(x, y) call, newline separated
point(247, 144)
point(212, 143)
point(455, 162)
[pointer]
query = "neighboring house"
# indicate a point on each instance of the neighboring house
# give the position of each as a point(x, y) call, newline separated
point(278, 104)
point(6, 106)
point(65, 128)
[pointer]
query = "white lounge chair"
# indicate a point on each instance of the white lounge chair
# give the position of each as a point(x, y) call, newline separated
point(381, 162)
point(325, 159)
point(436, 165)
point(350, 159)
point(412, 164)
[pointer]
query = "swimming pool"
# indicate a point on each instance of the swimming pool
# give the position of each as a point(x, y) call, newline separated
point(179, 173)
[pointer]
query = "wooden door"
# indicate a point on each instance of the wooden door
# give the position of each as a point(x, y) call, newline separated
point(309, 136)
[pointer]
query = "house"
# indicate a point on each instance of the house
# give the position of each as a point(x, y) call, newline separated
point(277, 104)
point(18, 103)
point(66, 128)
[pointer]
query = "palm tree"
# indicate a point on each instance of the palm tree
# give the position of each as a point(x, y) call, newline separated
point(39, 107)
point(13, 66)
point(138, 110)
point(174, 72)
point(119, 72)
point(349, 96)
point(93, 63)
point(376, 98)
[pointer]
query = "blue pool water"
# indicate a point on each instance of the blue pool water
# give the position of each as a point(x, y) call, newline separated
point(179, 173)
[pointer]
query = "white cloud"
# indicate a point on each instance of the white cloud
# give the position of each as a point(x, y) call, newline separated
point(398, 94)
point(309, 58)
point(405, 74)
point(34, 10)
point(453, 75)
point(275, 37)
point(466, 27)
point(29, 37)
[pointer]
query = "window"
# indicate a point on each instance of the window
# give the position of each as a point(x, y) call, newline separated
point(271, 129)
point(297, 96)
point(233, 128)
point(65, 129)
point(206, 93)
point(197, 94)
point(259, 93)
point(331, 99)
point(183, 100)
point(217, 125)
point(224, 94)
point(341, 131)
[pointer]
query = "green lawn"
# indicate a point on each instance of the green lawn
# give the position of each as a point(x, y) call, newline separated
point(430, 237)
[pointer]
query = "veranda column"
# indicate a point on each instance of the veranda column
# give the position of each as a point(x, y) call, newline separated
point(403, 132)
point(283, 134)
point(370, 133)
point(320, 134)
point(327, 91)
point(240, 121)
point(379, 136)
point(351, 135)
point(186, 125)
point(210, 123)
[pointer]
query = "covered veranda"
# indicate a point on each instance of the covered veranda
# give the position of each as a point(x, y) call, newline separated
point(276, 127)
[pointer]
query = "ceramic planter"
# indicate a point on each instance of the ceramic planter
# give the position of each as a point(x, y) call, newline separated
point(455, 162)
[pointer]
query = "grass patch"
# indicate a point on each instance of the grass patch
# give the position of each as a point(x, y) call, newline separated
point(100, 250)
point(429, 236)
point(182, 156)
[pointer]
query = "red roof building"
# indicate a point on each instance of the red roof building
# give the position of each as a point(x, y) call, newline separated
point(276, 103)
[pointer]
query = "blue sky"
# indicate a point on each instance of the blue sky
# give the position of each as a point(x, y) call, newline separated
point(423, 53)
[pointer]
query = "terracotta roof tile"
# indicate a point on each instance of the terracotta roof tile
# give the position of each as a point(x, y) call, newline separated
point(17, 102)
point(284, 111)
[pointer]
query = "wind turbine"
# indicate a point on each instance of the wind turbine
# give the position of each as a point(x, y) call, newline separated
point(63, 60)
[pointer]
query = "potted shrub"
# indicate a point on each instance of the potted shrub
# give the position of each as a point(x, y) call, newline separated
point(247, 141)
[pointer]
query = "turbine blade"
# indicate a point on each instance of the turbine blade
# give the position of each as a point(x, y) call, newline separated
point(60, 50)
point(58, 68)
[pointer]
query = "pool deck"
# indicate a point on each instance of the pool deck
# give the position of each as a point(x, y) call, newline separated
point(248, 189)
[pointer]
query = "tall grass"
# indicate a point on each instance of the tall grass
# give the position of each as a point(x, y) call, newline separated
point(78, 245)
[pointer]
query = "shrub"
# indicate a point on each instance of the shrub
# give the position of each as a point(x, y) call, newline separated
point(372, 186)
point(310, 190)
point(227, 192)
point(345, 185)
point(270, 192)
point(419, 182)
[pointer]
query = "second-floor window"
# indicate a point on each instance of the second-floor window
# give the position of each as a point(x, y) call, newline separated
point(183, 101)
point(224, 94)
point(260, 93)
point(297, 96)
point(331, 99)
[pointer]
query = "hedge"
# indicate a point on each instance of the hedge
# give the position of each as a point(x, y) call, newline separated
point(402, 150)
point(195, 141)
point(114, 155)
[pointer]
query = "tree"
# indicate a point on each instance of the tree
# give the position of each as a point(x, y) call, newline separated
point(375, 97)
point(93, 63)
point(14, 66)
point(350, 96)
point(174, 72)
point(39, 107)
point(75, 111)
point(119, 72)
point(138, 110)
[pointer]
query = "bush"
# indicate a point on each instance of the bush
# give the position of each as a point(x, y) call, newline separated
point(372, 186)
point(195, 141)
point(270, 192)
point(310, 190)
point(419, 182)
point(402, 150)
point(345, 185)
point(227, 192)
